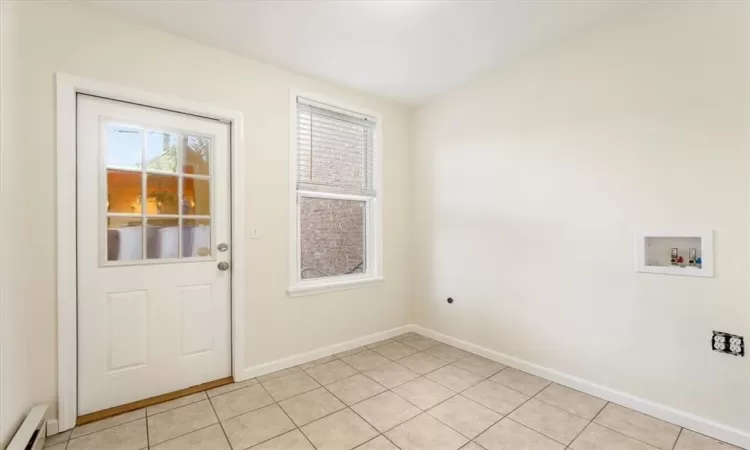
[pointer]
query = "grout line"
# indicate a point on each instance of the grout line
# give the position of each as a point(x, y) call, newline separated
point(619, 432)
point(565, 410)
point(148, 440)
point(389, 440)
point(106, 428)
point(368, 441)
point(296, 427)
point(219, 421)
point(578, 434)
point(600, 411)
point(626, 435)
point(678, 438)
point(365, 420)
point(539, 432)
point(478, 434)
point(185, 434)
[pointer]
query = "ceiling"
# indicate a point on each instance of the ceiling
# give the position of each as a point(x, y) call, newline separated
point(410, 51)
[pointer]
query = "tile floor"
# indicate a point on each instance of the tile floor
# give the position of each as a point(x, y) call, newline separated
point(407, 393)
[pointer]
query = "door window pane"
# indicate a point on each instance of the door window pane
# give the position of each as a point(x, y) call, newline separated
point(162, 238)
point(332, 237)
point(124, 238)
point(171, 216)
point(196, 237)
point(161, 151)
point(161, 191)
point(195, 160)
point(196, 198)
point(124, 146)
point(124, 192)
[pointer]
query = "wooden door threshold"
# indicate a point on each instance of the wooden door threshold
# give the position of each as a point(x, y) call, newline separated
point(122, 409)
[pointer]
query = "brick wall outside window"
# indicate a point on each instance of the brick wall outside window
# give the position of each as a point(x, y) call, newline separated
point(332, 237)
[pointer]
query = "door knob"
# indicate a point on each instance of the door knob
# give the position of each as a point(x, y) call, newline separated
point(223, 265)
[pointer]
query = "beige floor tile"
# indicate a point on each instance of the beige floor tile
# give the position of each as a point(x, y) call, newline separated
point(391, 375)
point(406, 336)
point(386, 410)
point(422, 363)
point(351, 352)
point(496, 397)
point(480, 366)
point(231, 387)
point(317, 362)
point(471, 446)
point(379, 443)
point(210, 438)
point(279, 374)
point(331, 372)
point(343, 430)
point(176, 403)
point(290, 385)
point(645, 428)
point(179, 421)
point(395, 350)
point(128, 436)
point(425, 433)
point(56, 446)
point(355, 389)
point(58, 438)
point(107, 423)
point(293, 440)
point(423, 393)
point(465, 416)
point(596, 437)
point(240, 401)
point(310, 406)
point(447, 353)
point(257, 426)
point(520, 381)
point(576, 402)
point(690, 440)
point(366, 360)
point(380, 343)
point(454, 378)
point(551, 421)
point(421, 343)
point(509, 435)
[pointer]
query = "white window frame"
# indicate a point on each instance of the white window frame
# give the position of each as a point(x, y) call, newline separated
point(373, 215)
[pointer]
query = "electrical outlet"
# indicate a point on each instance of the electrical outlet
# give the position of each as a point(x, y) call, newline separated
point(728, 343)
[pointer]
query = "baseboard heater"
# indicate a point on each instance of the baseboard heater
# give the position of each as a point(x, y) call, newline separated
point(33, 431)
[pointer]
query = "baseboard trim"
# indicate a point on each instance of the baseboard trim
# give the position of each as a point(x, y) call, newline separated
point(301, 358)
point(682, 418)
point(52, 427)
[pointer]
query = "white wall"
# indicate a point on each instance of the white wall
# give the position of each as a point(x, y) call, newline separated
point(16, 393)
point(71, 38)
point(532, 181)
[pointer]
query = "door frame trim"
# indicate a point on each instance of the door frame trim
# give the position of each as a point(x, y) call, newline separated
point(68, 86)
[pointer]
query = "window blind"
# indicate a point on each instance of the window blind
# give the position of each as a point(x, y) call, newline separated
point(335, 149)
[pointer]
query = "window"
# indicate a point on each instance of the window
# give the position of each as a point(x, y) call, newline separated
point(336, 199)
point(158, 204)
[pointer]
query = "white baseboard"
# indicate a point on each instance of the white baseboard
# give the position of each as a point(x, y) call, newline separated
point(684, 419)
point(301, 358)
point(52, 427)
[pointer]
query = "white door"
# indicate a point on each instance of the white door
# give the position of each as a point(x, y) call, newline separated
point(153, 231)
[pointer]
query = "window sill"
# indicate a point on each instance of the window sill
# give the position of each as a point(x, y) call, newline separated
point(301, 289)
